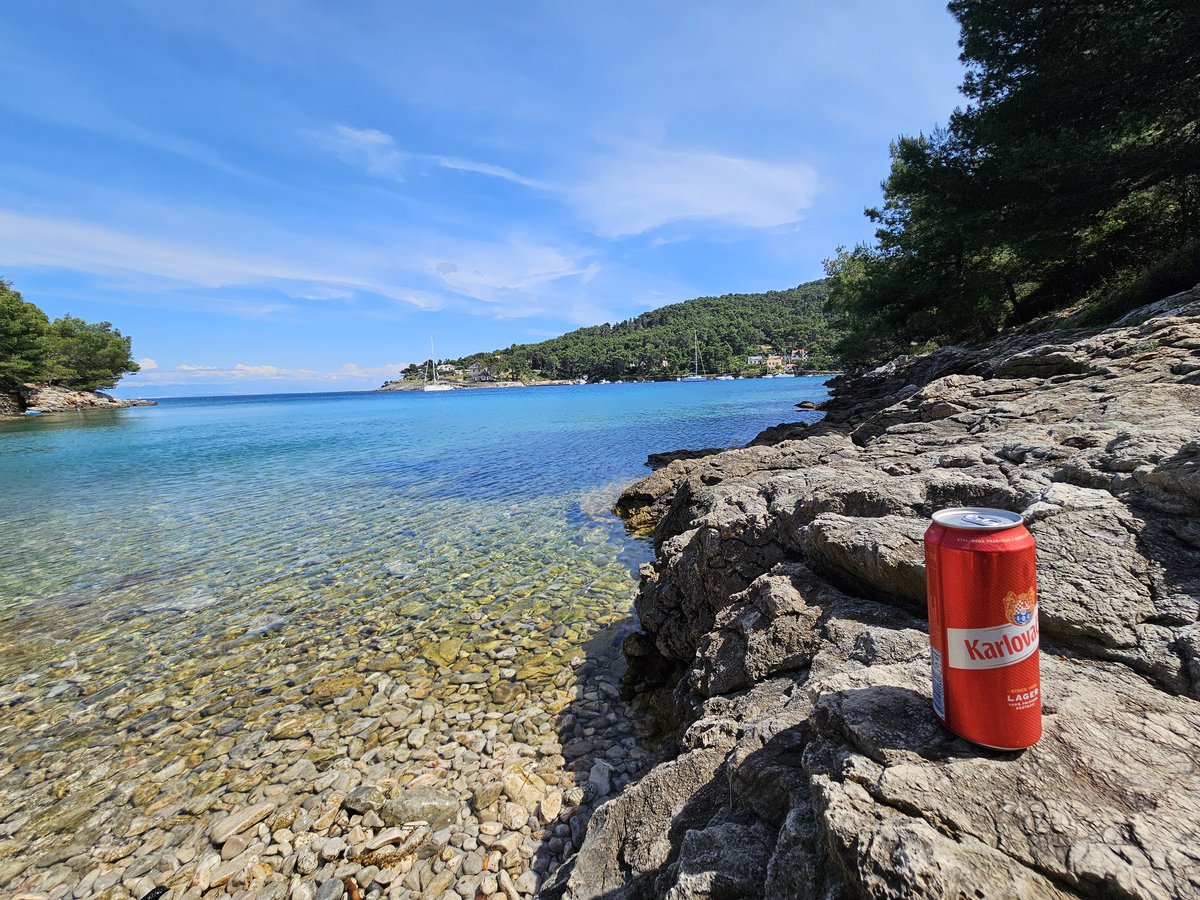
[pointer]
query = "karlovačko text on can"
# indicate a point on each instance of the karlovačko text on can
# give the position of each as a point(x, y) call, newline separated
point(981, 579)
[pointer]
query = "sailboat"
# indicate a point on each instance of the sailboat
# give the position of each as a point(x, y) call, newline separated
point(435, 385)
point(695, 376)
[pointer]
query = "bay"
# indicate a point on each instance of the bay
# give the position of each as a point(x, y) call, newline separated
point(294, 575)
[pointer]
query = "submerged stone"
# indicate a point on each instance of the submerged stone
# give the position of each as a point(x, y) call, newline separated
point(443, 652)
point(336, 686)
point(436, 807)
point(367, 798)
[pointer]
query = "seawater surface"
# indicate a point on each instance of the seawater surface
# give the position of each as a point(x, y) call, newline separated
point(224, 603)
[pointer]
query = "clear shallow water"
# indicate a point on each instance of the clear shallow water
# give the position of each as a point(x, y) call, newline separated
point(179, 577)
point(225, 492)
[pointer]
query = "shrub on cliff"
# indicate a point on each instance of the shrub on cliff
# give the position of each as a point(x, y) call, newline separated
point(81, 355)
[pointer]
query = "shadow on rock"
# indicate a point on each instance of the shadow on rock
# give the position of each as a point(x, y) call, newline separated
point(610, 733)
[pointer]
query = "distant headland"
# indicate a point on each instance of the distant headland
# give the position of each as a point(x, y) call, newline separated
point(56, 366)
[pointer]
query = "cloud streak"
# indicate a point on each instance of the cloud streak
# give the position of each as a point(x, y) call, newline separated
point(242, 373)
point(377, 153)
point(505, 278)
point(33, 240)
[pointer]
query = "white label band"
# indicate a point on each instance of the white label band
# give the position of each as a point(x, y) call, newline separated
point(991, 648)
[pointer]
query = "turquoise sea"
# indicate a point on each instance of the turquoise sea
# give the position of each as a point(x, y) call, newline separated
point(179, 578)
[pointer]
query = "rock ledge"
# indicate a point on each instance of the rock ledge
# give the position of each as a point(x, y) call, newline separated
point(787, 604)
point(45, 398)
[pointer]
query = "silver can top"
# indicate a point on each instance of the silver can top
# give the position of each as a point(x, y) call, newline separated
point(978, 518)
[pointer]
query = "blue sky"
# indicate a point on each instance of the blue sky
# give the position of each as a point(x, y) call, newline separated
point(279, 196)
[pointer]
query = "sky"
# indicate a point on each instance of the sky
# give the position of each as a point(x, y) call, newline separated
point(296, 196)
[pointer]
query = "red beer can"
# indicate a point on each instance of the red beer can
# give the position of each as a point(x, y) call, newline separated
point(981, 579)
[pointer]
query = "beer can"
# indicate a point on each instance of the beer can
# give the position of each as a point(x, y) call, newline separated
point(981, 579)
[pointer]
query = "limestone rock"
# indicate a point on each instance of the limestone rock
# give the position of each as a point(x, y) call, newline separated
point(629, 838)
point(487, 794)
point(884, 555)
point(600, 778)
point(726, 859)
point(788, 590)
point(49, 398)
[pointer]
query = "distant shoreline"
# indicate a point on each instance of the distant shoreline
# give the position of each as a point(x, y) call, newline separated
point(391, 386)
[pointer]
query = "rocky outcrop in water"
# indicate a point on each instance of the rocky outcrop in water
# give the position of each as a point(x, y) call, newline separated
point(788, 599)
point(47, 398)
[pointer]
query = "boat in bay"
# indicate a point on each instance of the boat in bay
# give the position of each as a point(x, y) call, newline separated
point(695, 376)
point(433, 384)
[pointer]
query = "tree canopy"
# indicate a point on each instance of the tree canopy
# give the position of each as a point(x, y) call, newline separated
point(1073, 173)
point(70, 352)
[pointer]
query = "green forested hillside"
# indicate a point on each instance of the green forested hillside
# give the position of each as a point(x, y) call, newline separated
point(1071, 177)
point(658, 344)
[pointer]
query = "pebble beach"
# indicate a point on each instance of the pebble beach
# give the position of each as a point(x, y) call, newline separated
point(463, 757)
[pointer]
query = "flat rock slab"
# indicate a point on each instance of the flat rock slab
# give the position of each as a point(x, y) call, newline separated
point(1108, 802)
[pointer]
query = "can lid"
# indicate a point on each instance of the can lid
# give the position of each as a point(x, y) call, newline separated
point(978, 518)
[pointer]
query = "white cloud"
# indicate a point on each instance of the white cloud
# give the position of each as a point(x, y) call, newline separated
point(192, 373)
point(146, 364)
point(631, 191)
point(644, 188)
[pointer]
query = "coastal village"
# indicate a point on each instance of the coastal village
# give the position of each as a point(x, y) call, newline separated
point(766, 363)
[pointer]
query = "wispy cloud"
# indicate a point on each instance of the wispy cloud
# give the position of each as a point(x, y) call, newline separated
point(319, 292)
point(509, 277)
point(28, 240)
point(377, 153)
point(626, 191)
point(373, 150)
point(242, 373)
point(644, 188)
point(502, 273)
point(466, 165)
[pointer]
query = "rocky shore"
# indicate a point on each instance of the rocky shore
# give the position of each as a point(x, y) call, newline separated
point(47, 398)
point(786, 611)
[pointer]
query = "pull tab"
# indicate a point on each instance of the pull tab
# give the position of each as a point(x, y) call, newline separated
point(983, 520)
